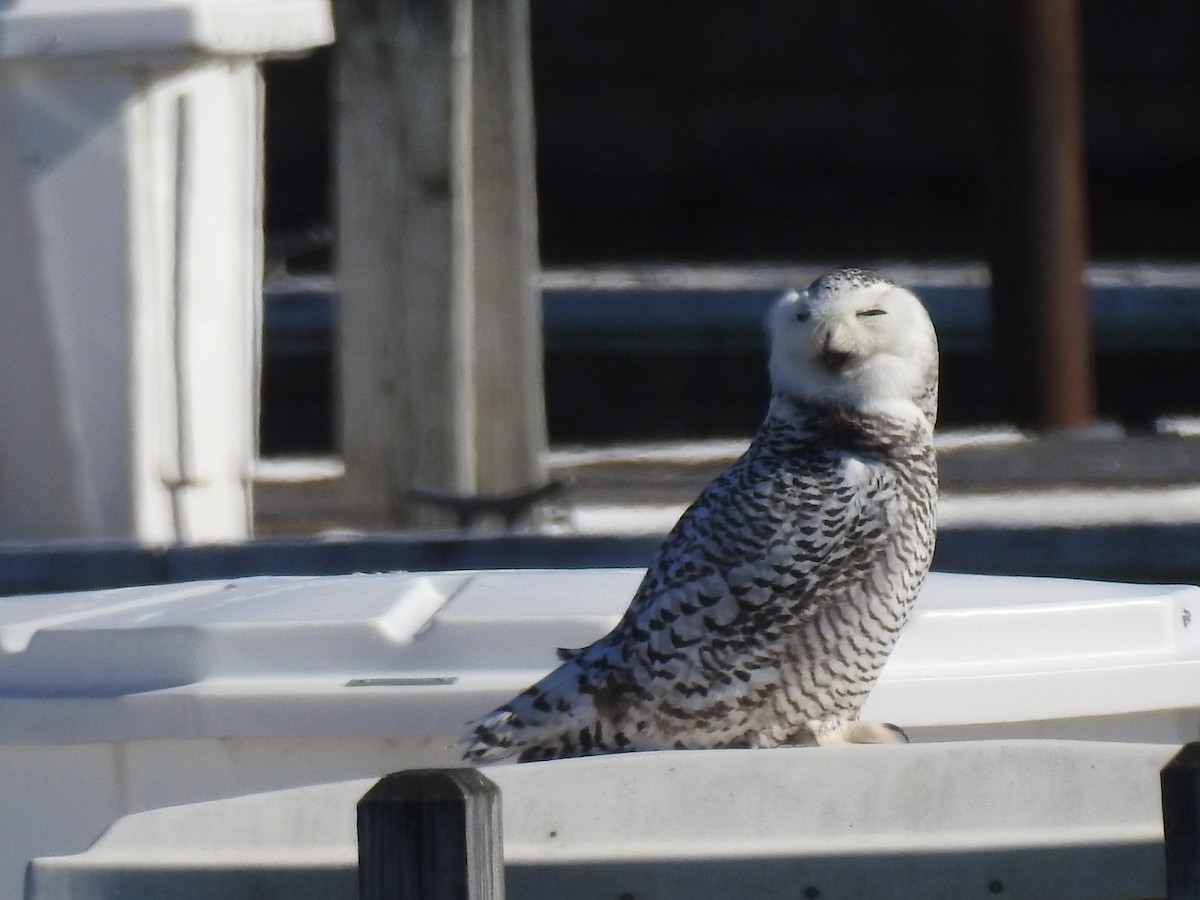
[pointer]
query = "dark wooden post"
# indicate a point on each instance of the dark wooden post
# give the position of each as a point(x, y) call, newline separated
point(440, 350)
point(1180, 780)
point(431, 834)
point(1038, 248)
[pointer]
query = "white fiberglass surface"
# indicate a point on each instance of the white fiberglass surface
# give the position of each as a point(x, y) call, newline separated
point(148, 638)
point(973, 623)
point(475, 622)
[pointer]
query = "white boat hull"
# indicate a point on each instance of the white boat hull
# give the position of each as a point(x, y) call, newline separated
point(117, 702)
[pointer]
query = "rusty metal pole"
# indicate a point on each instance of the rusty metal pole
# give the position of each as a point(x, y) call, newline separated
point(1038, 211)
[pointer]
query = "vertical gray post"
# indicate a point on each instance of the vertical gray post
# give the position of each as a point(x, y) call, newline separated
point(440, 353)
point(1180, 780)
point(431, 834)
point(1038, 249)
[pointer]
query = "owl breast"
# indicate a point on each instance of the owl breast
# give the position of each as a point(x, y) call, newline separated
point(829, 627)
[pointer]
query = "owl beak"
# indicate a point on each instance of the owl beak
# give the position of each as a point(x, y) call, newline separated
point(833, 357)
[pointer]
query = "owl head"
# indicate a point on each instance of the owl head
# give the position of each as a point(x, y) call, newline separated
point(854, 339)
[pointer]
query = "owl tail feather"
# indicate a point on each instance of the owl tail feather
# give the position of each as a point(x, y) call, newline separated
point(554, 718)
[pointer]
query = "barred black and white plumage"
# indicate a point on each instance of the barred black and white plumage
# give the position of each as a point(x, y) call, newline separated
point(770, 609)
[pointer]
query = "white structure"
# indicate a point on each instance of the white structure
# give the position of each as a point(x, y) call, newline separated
point(130, 246)
point(1044, 820)
point(123, 701)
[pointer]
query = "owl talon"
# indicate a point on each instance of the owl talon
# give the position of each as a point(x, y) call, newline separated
point(832, 731)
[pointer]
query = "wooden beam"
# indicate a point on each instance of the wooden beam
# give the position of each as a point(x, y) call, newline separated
point(440, 333)
point(431, 834)
point(1180, 780)
point(1181, 823)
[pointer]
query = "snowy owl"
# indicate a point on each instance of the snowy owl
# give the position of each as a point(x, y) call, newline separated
point(771, 607)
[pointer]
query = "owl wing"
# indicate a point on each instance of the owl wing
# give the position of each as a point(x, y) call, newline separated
point(759, 543)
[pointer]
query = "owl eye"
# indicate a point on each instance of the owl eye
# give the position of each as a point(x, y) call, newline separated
point(872, 312)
